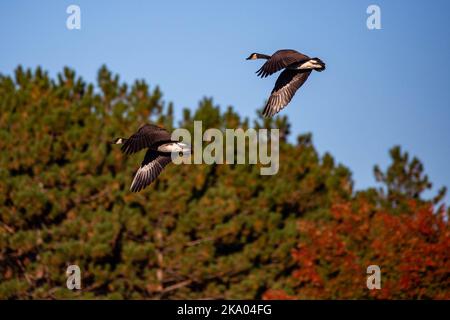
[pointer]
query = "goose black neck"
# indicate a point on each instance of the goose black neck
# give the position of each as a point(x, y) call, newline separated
point(262, 56)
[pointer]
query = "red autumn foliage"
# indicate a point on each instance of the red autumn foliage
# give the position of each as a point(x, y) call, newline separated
point(411, 249)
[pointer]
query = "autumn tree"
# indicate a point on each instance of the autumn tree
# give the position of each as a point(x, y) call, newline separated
point(404, 236)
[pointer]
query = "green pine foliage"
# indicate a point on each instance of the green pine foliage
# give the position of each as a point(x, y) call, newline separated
point(200, 231)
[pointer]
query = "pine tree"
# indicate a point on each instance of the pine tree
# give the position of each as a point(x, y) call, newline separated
point(404, 180)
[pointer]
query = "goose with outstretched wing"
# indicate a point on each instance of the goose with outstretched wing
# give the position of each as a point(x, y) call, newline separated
point(160, 147)
point(297, 68)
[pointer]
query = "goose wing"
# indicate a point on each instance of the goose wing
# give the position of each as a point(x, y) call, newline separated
point(280, 60)
point(151, 167)
point(287, 84)
point(147, 136)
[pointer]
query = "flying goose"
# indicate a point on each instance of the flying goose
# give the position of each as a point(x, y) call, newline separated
point(297, 68)
point(159, 147)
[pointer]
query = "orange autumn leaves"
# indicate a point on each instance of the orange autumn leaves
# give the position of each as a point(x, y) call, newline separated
point(412, 250)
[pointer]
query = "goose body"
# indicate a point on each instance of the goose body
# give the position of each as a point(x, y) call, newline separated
point(297, 68)
point(159, 147)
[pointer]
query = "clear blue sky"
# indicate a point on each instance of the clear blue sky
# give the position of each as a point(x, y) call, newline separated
point(381, 87)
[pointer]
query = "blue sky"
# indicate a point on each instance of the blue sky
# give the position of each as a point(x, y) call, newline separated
point(381, 87)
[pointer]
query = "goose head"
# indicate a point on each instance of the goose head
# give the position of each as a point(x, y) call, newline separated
point(253, 56)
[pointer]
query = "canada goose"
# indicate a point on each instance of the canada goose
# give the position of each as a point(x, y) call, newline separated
point(297, 68)
point(159, 146)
